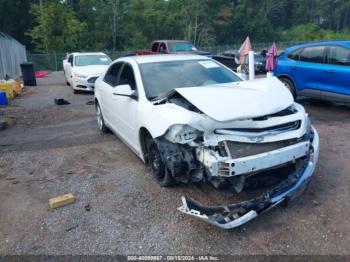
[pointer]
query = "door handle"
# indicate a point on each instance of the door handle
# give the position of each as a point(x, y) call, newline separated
point(330, 71)
point(295, 67)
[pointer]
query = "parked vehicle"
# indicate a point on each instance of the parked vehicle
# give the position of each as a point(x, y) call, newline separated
point(192, 119)
point(230, 58)
point(172, 47)
point(320, 70)
point(82, 69)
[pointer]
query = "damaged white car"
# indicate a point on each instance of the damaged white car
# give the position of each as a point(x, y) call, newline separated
point(192, 120)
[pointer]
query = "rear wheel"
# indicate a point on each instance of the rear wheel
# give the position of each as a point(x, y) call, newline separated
point(158, 168)
point(100, 121)
point(289, 84)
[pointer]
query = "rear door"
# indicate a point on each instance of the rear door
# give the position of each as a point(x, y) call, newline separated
point(337, 74)
point(308, 71)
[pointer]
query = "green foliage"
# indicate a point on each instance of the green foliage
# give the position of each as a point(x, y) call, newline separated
point(88, 25)
point(15, 19)
point(312, 32)
point(58, 29)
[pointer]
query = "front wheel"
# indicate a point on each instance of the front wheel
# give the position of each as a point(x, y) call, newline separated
point(158, 168)
point(289, 84)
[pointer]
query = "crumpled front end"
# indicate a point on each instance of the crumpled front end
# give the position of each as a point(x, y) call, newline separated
point(233, 153)
point(234, 215)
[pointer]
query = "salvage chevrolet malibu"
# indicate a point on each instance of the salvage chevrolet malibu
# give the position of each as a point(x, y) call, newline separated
point(191, 119)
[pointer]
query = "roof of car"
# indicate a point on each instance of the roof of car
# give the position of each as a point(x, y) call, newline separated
point(163, 58)
point(334, 42)
point(88, 53)
point(172, 41)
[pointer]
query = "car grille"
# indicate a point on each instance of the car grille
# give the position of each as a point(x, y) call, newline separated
point(278, 128)
point(92, 79)
point(238, 149)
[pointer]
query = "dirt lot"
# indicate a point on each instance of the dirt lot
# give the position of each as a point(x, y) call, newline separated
point(53, 150)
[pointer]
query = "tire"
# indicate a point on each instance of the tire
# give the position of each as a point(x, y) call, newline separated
point(290, 85)
point(158, 168)
point(100, 121)
point(67, 83)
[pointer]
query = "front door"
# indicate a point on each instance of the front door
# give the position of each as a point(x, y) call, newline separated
point(338, 70)
point(110, 81)
point(125, 108)
point(308, 71)
point(68, 69)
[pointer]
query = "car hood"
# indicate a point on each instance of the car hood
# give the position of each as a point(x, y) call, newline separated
point(240, 100)
point(91, 70)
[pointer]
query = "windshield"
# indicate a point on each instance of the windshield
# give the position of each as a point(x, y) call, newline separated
point(162, 77)
point(85, 60)
point(181, 47)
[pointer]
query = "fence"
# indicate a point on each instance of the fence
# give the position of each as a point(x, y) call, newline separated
point(12, 54)
point(53, 62)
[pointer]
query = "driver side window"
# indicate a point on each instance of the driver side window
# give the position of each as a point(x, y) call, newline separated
point(111, 76)
point(127, 77)
point(70, 59)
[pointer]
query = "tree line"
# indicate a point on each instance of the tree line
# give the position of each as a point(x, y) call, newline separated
point(70, 25)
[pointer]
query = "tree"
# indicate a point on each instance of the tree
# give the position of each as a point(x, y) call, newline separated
point(16, 19)
point(132, 24)
point(57, 27)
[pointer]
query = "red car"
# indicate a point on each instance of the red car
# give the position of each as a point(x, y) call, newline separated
point(172, 47)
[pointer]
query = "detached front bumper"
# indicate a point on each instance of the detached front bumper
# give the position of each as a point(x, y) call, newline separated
point(234, 215)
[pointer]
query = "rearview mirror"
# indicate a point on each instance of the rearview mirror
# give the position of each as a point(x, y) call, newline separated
point(124, 90)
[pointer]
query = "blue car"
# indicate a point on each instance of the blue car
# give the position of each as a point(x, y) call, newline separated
point(319, 70)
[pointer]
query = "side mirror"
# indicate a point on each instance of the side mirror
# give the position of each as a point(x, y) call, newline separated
point(125, 90)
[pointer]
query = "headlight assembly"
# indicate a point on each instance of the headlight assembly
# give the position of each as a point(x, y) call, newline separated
point(182, 134)
point(307, 123)
point(79, 75)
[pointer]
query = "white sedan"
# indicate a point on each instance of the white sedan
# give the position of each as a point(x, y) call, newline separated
point(191, 119)
point(82, 69)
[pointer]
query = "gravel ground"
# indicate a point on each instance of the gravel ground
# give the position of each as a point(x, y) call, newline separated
point(51, 150)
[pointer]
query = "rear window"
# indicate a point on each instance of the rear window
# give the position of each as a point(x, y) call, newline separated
point(339, 56)
point(181, 47)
